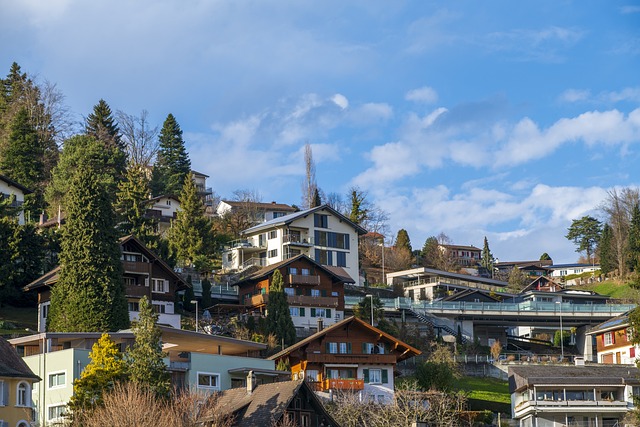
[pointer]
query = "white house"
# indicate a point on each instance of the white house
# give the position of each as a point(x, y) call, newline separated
point(561, 270)
point(321, 233)
point(8, 188)
point(260, 212)
point(163, 209)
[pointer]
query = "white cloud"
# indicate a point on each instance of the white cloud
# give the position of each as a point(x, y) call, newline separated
point(574, 95)
point(627, 94)
point(424, 94)
point(544, 44)
point(340, 100)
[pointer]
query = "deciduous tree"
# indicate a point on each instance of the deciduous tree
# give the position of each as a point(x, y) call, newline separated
point(140, 139)
point(605, 251)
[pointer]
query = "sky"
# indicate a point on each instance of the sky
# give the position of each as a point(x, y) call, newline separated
point(496, 118)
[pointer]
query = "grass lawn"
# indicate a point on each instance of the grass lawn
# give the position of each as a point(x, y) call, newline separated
point(614, 289)
point(488, 389)
point(21, 317)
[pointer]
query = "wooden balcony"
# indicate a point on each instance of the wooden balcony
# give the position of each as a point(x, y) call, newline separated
point(342, 384)
point(299, 279)
point(257, 300)
point(324, 358)
point(137, 291)
point(136, 267)
point(308, 301)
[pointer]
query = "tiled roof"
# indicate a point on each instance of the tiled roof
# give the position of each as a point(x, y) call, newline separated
point(12, 365)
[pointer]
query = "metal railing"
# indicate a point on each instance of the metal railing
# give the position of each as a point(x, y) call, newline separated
point(253, 262)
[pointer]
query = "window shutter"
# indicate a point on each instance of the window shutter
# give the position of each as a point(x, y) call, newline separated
point(364, 348)
point(323, 292)
point(313, 312)
point(298, 291)
point(632, 352)
point(349, 348)
point(4, 394)
point(328, 313)
point(326, 345)
point(613, 337)
point(365, 373)
point(301, 311)
point(385, 376)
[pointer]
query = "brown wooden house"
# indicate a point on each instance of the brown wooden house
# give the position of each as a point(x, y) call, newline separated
point(349, 355)
point(145, 274)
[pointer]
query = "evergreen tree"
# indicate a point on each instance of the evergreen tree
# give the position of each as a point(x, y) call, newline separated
point(84, 150)
point(107, 368)
point(317, 201)
point(131, 199)
point(191, 233)
point(22, 160)
point(431, 252)
point(545, 257)
point(188, 295)
point(585, 233)
point(279, 321)
point(89, 295)
point(487, 258)
point(206, 293)
point(146, 365)
point(102, 126)
point(608, 262)
point(359, 211)
point(362, 310)
point(172, 161)
point(403, 241)
point(633, 241)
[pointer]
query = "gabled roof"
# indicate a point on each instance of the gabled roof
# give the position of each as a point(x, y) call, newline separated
point(199, 173)
point(13, 183)
point(336, 273)
point(266, 404)
point(539, 280)
point(52, 277)
point(522, 376)
point(288, 219)
point(409, 350)
point(164, 196)
point(469, 247)
point(260, 205)
point(12, 365)
point(612, 324)
point(468, 292)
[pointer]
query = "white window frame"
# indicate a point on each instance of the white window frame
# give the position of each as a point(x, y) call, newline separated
point(155, 288)
point(208, 387)
point(56, 373)
point(333, 348)
point(2, 386)
point(55, 405)
point(27, 395)
point(377, 380)
point(608, 338)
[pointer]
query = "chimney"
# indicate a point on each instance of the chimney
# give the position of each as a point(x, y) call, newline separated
point(251, 382)
point(320, 324)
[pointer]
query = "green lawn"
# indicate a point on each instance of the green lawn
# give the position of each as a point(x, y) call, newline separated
point(20, 317)
point(488, 389)
point(614, 289)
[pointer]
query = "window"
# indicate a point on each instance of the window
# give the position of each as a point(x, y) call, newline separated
point(229, 257)
point(341, 259)
point(332, 347)
point(159, 286)
point(293, 271)
point(335, 294)
point(132, 257)
point(321, 221)
point(324, 257)
point(57, 379)
point(289, 292)
point(608, 338)
point(273, 234)
point(208, 381)
point(55, 412)
point(331, 240)
point(133, 306)
point(273, 253)
point(278, 214)
point(296, 311)
point(4, 394)
point(129, 281)
point(22, 394)
point(45, 310)
point(315, 292)
point(305, 420)
point(159, 308)
point(305, 272)
point(168, 202)
point(375, 376)
point(345, 348)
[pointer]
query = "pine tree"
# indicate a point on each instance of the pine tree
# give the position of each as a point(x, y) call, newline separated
point(102, 126)
point(146, 365)
point(84, 150)
point(206, 293)
point(279, 320)
point(487, 258)
point(107, 368)
point(608, 262)
point(130, 205)
point(317, 201)
point(172, 161)
point(89, 295)
point(191, 233)
point(359, 211)
point(402, 241)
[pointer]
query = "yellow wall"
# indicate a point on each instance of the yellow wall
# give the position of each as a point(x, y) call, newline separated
point(11, 413)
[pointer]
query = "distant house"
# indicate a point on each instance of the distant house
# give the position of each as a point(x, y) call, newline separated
point(614, 341)
point(351, 356)
point(313, 291)
point(280, 403)
point(200, 362)
point(464, 256)
point(204, 192)
point(321, 233)
point(561, 270)
point(530, 268)
point(572, 395)
point(10, 188)
point(257, 212)
point(163, 210)
point(543, 284)
point(16, 384)
point(145, 274)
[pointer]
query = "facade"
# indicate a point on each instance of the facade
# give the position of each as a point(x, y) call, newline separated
point(561, 270)
point(205, 193)
point(144, 275)
point(321, 233)
point(350, 355)
point(201, 362)
point(584, 396)
point(256, 212)
point(16, 384)
point(614, 342)
point(313, 291)
point(530, 268)
point(464, 256)
point(280, 403)
point(9, 188)
point(163, 210)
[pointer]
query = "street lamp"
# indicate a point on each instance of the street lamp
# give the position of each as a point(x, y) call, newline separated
point(195, 301)
point(561, 332)
point(371, 296)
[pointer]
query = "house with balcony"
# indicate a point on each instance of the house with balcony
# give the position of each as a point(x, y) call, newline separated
point(321, 233)
point(16, 383)
point(314, 291)
point(204, 192)
point(461, 255)
point(256, 212)
point(12, 189)
point(581, 396)
point(145, 274)
point(351, 356)
point(196, 361)
point(613, 341)
point(162, 210)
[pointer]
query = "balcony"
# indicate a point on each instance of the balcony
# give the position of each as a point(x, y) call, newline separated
point(299, 279)
point(601, 406)
point(297, 240)
point(308, 301)
point(245, 244)
point(342, 384)
point(136, 267)
point(324, 358)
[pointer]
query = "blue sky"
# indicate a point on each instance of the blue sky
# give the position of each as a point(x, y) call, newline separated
point(497, 118)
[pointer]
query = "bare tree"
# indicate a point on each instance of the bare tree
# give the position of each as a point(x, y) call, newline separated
point(140, 138)
point(309, 185)
point(619, 207)
point(336, 201)
point(239, 218)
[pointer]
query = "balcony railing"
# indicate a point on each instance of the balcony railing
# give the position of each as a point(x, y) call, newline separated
point(353, 358)
point(299, 279)
point(296, 239)
point(306, 300)
point(244, 244)
point(343, 384)
point(136, 267)
point(253, 262)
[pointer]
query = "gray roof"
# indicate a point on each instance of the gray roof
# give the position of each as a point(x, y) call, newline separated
point(288, 219)
point(522, 376)
point(16, 184)
point(12, 365)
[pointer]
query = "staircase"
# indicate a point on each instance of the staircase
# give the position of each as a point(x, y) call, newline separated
point(435, 324)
